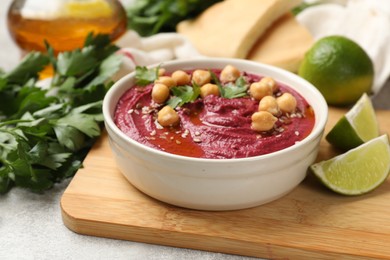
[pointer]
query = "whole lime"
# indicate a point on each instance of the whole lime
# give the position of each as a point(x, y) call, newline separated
point(340, 69)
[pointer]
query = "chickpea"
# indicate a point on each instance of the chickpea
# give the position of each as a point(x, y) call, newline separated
point(259, 90)
point(287, 103)
point(166, 80)
point(201, 77)
point(209, 89)
point(160, 93)
point(167, 116)
point(161, 71)
point(229, 74)
point(181, 77)
point(269, 104)
point(263, 121)
point(271, 82)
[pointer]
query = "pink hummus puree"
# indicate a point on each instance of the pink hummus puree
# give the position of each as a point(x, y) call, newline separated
point(213, 127)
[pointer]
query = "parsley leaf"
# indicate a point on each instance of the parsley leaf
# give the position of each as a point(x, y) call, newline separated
point(183, 94)
point(237, 89)
point(85, 123)
point(149, 17)
point(76, 63)
point(231, 90)
point(145, 76)
point(29, 67)
point(218, 83)
point(107, 68)
point(45, 133)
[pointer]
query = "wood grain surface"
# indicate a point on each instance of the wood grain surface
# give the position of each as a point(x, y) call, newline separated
point(311, 222)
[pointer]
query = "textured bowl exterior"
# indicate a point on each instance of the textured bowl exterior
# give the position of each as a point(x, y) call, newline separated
point(216, 184)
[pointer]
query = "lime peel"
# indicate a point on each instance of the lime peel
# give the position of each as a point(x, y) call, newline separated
point(357, 126)
point(339, 68)
point(358, 171)
point(363, 115)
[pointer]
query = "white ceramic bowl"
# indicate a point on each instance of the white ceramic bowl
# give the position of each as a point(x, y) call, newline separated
point(216, 184)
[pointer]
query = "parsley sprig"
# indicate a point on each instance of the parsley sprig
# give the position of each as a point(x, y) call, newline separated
point(149, 17)
point(144, 75)
point(45, 133)
point(231, 90)
point(181, 95)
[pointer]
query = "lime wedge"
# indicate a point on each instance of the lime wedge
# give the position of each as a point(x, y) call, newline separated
point(357, 126)
point(357, 171)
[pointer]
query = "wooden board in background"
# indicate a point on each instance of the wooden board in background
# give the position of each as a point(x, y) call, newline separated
point(308, 223)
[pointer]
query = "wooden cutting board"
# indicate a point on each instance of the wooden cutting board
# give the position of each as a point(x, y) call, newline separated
point(309, 223)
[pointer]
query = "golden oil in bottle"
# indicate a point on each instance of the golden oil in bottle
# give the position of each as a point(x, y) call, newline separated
point(64, 24)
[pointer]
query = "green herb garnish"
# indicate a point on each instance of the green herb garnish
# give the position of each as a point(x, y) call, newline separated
point(237, 89)
point(231, 90)
point(148, 17)
point(45, 133)
point(183, 95)
point(296, 10)
point(144, 76)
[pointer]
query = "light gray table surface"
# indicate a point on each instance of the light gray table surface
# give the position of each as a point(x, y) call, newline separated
point(31, 226)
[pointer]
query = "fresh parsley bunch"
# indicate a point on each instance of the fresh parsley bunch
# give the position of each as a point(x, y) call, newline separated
point(45, 132)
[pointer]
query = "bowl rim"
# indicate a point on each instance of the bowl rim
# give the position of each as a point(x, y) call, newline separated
point(118, 86)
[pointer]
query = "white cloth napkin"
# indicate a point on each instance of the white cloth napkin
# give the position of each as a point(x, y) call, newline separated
point(144, 51)
point(367, 22)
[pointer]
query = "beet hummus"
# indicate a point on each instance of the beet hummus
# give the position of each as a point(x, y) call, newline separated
point(216, 126)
